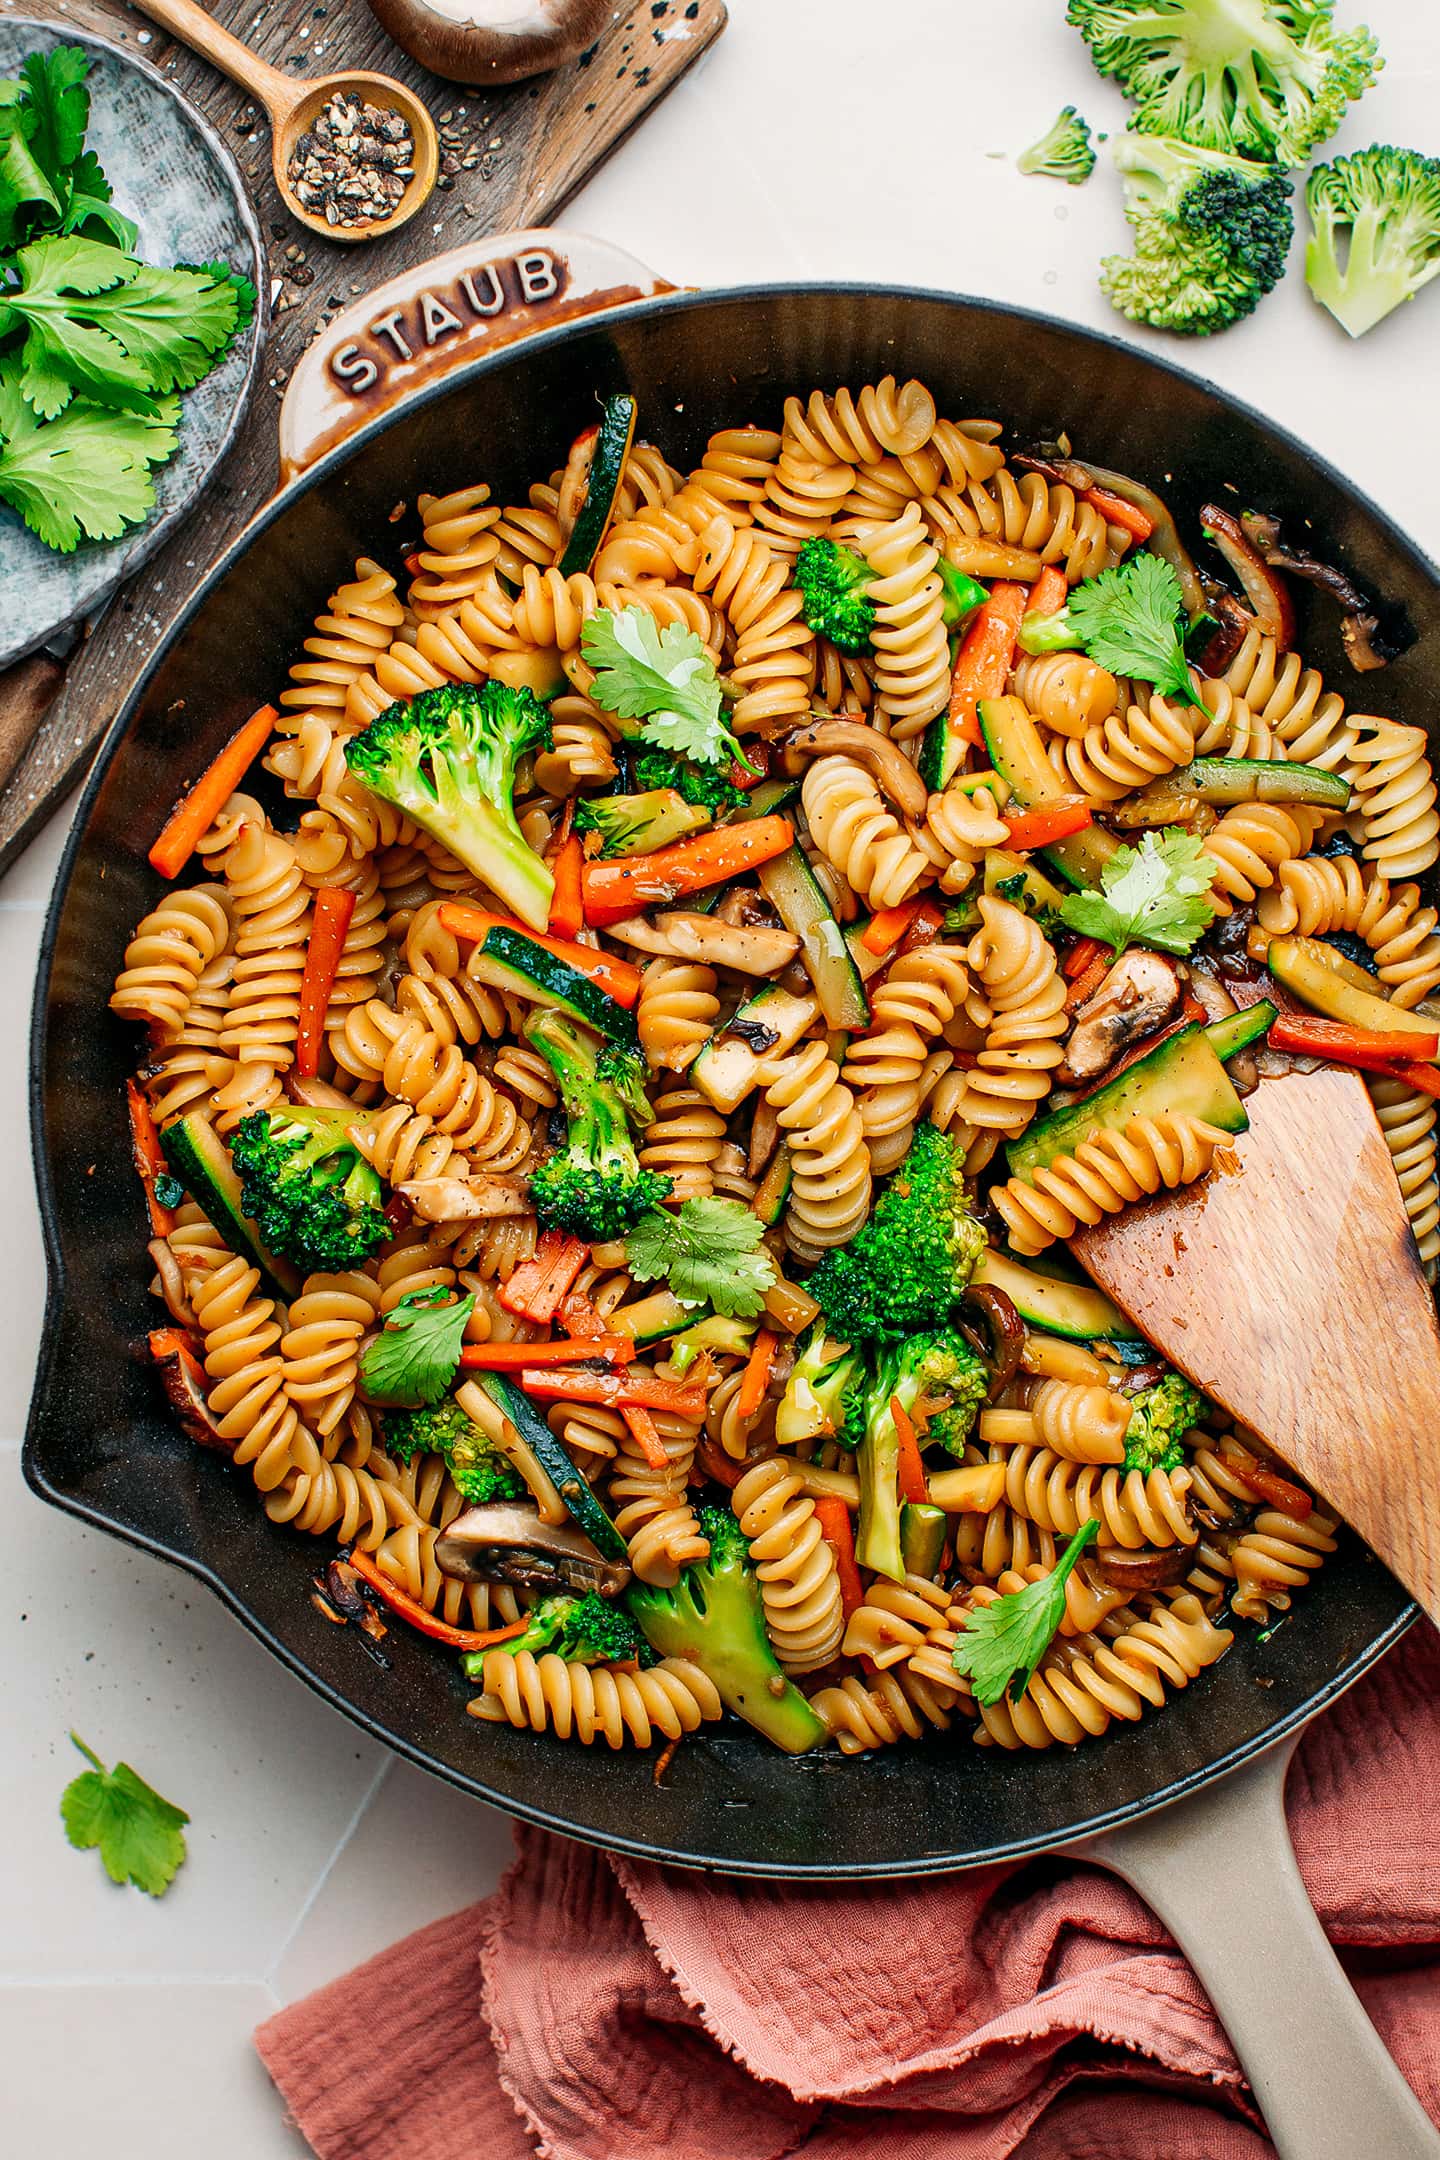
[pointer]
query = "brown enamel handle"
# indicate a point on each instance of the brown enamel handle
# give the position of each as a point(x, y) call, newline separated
point(429, 320)
point(203, 35)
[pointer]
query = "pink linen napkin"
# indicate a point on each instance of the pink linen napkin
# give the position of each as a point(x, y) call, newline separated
point(597, 2008)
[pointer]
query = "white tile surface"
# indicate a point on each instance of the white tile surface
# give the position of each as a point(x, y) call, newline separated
point(821, 139)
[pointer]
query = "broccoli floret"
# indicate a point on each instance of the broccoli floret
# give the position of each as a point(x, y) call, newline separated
point(480, 1471)
point(1212, 233)
point(1160, 1417)
point(703, 785)
point(814, 1405)
point(936, 1367)
point(962, 594)
point(447, 758)
point(1265, 78)
point(834, 584)
point(1381, 208)
point(588, 1630)
point(724, 1332)
point(714, 1617)
point(1064, 151)
point(594, 1186)
point(638, 824)
point(307, 1187)
point(905, 1269)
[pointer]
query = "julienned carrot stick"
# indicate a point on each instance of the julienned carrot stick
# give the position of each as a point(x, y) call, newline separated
point(910, 1471)
point(833, 1517)
point(617, 977)
point(1081, 956)
point(620, 1390)
point(1267, 1483)
point(756, 1376)
point(926, 925)
point(1049, 592)
point(888, 926)
point(196, 812)
point(407, 1608)
point(615, 890)
point(1371, 1049)
point(987, 652)
point(536, 1289)
point(1029, 829)
point(566, 1350)
point(334, 906)
point(646, 1434)
point(567, 911)
point(1116, 511)
point(1084, 986)
point(1425, 1078)
point(149, 1156)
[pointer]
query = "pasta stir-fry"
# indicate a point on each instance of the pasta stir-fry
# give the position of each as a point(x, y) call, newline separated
point(616, 1058)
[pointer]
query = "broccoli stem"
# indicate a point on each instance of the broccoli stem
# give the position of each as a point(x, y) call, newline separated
point(878, 1463)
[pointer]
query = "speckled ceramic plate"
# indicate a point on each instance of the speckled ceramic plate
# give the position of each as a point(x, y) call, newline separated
point(173, 175)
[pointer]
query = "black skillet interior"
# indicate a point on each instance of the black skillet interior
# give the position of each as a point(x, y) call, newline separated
point(100, 1443)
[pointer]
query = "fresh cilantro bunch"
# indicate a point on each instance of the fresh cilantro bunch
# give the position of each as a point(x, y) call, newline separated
point(416, 1355)
point(663, 678)
point(1002, 1642)
point(92, 341)
point(141, 1837)
point(1154, 894)
point(709, 1251)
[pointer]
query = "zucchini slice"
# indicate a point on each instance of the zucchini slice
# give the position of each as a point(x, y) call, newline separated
point(1013, 743)
point(1226, 780)
point(653, 1319)
point(1077, 1311)
point(767, 1025)
point(774, 1188)
point(554, 1462)
point(1333, 985)
point(793, 890)
point(201, 1161)
point(1228, 1037)
point(1040, 891)
point(766, 796)
point(1180, 1076)
point(613, 438)
point(508, 960)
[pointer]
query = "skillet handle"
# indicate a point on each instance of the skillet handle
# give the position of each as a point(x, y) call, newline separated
point(418, 326)
point(1220, 1871)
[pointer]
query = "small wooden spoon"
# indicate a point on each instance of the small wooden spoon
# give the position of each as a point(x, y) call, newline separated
point(1292, 1294)
point(294, 106)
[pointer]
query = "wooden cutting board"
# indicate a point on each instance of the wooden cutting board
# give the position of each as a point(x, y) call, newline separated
point(510, 158)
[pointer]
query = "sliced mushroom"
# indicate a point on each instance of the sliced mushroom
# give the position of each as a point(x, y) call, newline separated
point(1005, 1330)
point(754, 949)
point(1233, 624)
point(1263, 587)
point(315, 1094)
point(183, 1379)
point(449, 1199)
point(1368, 645)
point(506, 1542)
point(892, 770)
point(1139, 994)
point(1149, 1569)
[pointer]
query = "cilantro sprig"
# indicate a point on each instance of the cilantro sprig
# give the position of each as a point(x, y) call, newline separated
point(709, 1251)
point(1130, 620)
point(1156, 894)
point(85, 475)
point(416, 1355)
point(1002, 1642)
point(665, 679)
point(140, 1836)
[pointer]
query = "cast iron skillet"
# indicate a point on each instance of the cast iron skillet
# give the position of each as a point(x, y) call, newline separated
point(100, 1443)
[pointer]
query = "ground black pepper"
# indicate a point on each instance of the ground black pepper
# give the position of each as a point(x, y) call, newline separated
point(354, 164)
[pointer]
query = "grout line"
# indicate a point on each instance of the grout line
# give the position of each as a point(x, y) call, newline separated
point(268, 1977)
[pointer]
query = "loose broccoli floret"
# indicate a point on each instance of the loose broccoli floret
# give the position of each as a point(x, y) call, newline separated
point(447, 758)
point(588, 1630)
point(1064, 151)
point(1265, 78)
point(1212, 234)
point(834, 585)
point(638, 824)
point(1381, 209)
point(703, 785)
point(814, 1403)
point(905, 1269)
point(479, 1470)
point(594, 1186)
point(714, 1617)
point(716, 1331)
point(1159, 1420)
point(307, 1187)
point(932, 1366)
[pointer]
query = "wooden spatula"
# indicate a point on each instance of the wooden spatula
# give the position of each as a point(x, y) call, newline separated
point(1291, 1293)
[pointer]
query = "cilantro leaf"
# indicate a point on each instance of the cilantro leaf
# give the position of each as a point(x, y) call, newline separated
point(1004, 1641)
point(663, 678)
point(416, 1355)
point(709, 1251)
point(116, 328)
point(1128, 619)
point(141, 1837)
point(86, 473)
point(89, 203)
point(23, 184)
point(57, 106)
point(1156, 894)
